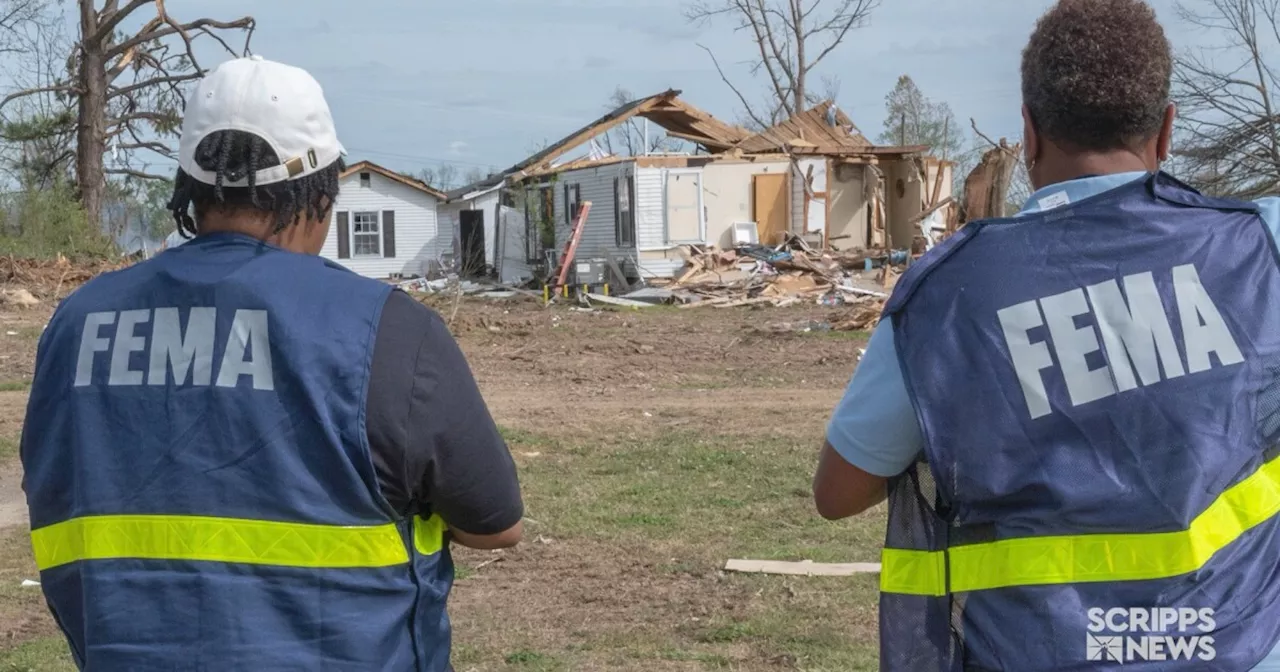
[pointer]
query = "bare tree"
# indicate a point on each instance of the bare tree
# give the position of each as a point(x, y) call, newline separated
point(474, 175)
point(792, 38)
point(630, 138)
point(443, 177)
point(127, 87)
point(1228, 140)
point(39, 130)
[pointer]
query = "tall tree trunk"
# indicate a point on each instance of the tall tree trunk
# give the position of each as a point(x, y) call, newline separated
point(91, 132)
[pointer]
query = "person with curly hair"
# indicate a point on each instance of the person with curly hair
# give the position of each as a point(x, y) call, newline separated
point(241, 456)
point(1074, 413)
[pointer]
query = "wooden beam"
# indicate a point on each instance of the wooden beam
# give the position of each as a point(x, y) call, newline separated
point(936, 207)
point(700, 139)
point(802, 568)
point(585, 135)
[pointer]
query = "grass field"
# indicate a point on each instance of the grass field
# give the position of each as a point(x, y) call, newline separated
point(652, 447)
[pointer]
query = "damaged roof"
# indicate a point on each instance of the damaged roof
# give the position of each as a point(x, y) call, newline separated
point(678, 118)
point(808, 131)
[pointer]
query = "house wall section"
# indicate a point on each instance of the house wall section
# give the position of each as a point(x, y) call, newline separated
point(655, 258)
point(903, 200)
point(451, 219)
point(729, 196)
point(418, 238)
point(595, 185)
point(814, 218)
point(513, 264)
point(847, 226)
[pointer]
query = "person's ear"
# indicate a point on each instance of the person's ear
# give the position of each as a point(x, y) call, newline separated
point(1030, 143)
point(1164, 140)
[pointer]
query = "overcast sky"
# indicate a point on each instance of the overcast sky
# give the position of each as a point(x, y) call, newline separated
point(481, 82)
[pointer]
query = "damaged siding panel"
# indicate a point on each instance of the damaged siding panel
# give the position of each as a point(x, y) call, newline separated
point(650, 210)
point(514, 267)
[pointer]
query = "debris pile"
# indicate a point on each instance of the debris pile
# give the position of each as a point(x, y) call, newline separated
point(781, 276)
point(49, 279)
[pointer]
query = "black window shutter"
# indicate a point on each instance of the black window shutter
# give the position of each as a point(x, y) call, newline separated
point(568, 206)
point(344, 235)
point(389, 234)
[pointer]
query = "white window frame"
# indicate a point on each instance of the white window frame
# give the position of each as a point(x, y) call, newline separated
point(666, 208)
point(376, 234)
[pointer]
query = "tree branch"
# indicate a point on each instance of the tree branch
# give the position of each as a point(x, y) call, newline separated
point(56, 88)
point(155, 117)
point(114, 18)
point(246, 23)
point(136, 173)
point(154, 81)
point(747, 106)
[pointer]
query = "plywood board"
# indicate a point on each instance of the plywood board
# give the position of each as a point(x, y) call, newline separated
point(770, 204)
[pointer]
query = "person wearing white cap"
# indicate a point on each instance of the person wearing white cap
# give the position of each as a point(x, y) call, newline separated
point(239, 456)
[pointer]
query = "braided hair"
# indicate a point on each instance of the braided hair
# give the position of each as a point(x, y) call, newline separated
point(235, 155)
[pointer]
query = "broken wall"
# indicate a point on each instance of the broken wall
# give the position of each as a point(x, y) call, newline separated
point(729, 196)
point(904, 199)
point(847, 221)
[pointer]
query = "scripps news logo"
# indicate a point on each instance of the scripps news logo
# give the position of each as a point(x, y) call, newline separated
point(1125, 635)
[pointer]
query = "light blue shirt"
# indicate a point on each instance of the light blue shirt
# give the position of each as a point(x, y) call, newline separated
point(874, 427)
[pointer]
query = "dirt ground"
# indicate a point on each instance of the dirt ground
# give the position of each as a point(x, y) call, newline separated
point(653, 445)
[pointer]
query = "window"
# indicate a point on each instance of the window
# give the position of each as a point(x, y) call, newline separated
point(366, 239)
point(572, 200)
point(624, 219)
point(366, 179)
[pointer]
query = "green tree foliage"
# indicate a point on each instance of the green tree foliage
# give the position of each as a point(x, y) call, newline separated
point(43, 223)
point(913, 119)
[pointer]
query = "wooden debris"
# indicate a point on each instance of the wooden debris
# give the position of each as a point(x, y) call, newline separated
point(802, 568)
point(789, 273)
point(615, 301)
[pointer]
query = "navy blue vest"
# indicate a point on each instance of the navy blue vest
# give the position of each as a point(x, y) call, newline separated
point(1098, 388)
point(201, 490)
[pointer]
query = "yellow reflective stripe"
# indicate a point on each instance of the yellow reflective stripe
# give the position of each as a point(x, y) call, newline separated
point(257, 542)
point(912, 572)
point(1032, 561)
point(428, 535)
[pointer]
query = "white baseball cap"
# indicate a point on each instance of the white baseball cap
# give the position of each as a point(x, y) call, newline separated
point(279, 103)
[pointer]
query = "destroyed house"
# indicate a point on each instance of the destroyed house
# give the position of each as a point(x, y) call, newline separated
point(813, 175)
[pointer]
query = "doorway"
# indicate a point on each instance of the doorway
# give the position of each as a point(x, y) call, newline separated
point(471, 232)
point(770, 206)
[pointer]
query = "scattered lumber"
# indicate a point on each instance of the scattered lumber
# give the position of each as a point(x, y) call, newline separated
point(802, 568)
point(755, 275)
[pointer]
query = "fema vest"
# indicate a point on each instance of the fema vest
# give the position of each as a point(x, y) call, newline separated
point(201, 490)
point(1098, 388)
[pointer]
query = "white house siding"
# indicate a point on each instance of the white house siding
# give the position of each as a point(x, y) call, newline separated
point(655, 257)
point(418, 238)
point(599, 235)
point(651, 211)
